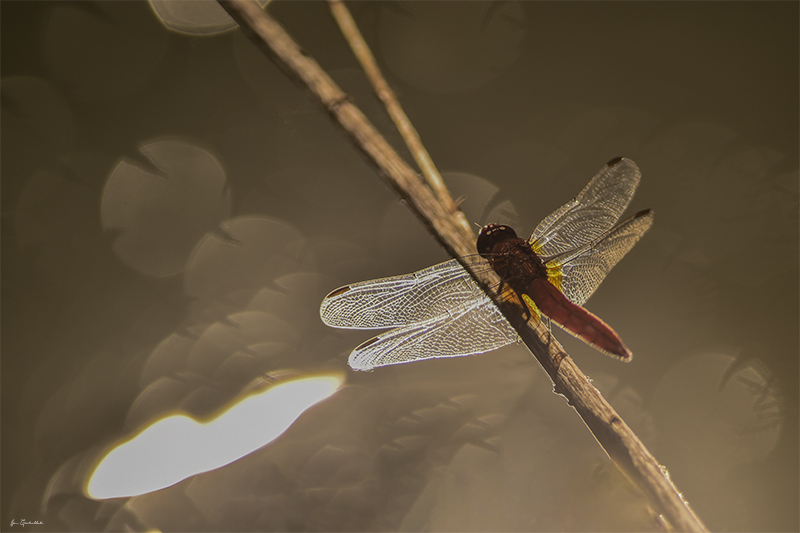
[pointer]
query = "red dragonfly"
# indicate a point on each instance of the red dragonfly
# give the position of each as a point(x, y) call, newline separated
point(441, 312)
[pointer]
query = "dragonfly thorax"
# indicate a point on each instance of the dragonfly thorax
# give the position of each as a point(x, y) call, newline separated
point(511, 257)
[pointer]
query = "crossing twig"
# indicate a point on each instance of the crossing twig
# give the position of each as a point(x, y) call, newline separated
point(616, 438)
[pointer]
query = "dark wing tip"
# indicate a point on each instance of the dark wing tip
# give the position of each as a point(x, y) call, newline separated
point(337, 292)
point(366, 343)
point(614, 161)
point(357, 360)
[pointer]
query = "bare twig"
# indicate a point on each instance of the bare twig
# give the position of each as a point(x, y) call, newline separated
point(364, 55)
point(616, 438)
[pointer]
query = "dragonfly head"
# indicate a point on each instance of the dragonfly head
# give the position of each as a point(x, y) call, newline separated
point(492, 235)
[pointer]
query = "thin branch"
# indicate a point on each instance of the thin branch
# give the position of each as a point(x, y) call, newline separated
point(364, 55)
point(616, 438)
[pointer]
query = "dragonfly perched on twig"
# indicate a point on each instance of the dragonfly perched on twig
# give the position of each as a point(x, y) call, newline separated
point(441, 312)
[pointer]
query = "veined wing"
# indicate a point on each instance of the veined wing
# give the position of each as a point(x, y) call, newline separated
point(471, 328)
point(590, 214)
point(401, 300)
point(579, 272)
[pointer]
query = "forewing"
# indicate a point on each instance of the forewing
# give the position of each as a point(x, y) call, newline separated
point(401, 300)
point(469, 329)
point(582, 270)
point(590, 214)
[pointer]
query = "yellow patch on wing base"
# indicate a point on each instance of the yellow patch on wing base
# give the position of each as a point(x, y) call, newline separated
point(554, 274)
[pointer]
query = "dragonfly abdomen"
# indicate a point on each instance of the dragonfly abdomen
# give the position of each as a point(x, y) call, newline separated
point(518, 265)
point(576, 320)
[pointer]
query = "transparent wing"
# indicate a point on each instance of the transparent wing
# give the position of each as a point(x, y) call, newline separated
point(590, 214)
point(469, 329)
point(401, 300)
point(582, 270)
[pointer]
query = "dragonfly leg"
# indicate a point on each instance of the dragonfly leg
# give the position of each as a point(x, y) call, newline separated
point(527, 311)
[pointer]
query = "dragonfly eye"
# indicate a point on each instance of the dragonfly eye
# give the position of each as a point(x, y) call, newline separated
point(491, 235)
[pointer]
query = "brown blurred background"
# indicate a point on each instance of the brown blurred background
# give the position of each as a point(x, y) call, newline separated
point(174, 210)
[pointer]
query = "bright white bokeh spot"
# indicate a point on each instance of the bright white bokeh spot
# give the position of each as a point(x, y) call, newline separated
point(178, 446)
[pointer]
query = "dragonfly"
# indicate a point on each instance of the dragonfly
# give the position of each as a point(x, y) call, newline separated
point(441, 311)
